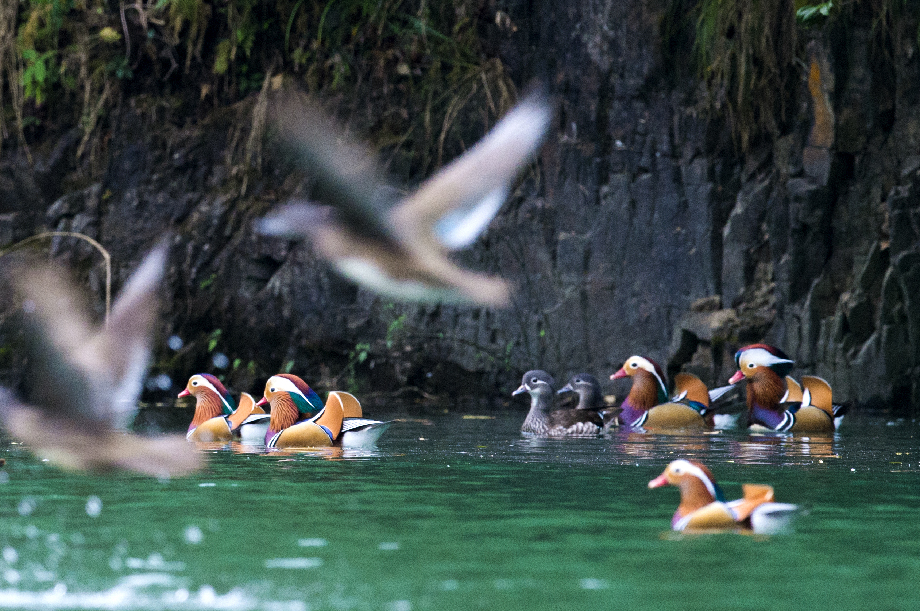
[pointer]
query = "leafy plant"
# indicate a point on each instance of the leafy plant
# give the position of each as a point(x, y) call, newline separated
point(811, 12)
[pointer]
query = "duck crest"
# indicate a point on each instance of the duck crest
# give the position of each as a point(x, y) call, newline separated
point(305, 398)
point(766, 356)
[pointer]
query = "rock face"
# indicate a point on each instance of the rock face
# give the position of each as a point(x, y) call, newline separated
point(640, 231)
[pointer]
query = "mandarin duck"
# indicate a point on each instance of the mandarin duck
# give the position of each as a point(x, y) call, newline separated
point(775, 401)
point(218, 418)
point(590, 396)
point(357, 431)
point(300, 420)
point(543, 421)
point(703, 507)
point(85, 381)
point(647, 406)
point(393, 244)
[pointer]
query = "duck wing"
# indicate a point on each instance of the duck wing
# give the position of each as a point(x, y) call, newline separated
point(76, 370)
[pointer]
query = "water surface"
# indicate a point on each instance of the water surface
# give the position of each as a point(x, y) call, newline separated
point(452, 512)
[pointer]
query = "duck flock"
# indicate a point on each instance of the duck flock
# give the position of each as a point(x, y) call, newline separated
point(395, 245)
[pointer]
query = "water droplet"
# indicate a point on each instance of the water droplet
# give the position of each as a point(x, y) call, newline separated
point(11, 576)
point(206, 595)
point(26, 506)
point(591, 583)
point(400, 605)
point(449, 585)
point(93, 506)
point(313, 542)
point(220, 360)
point(193, 535)
point(388, 546)
point(175, 342)
point(10, 555)
point(293, 563)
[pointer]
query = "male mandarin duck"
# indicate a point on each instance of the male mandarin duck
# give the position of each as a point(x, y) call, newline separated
point(298, 417)
point(217, 418)
point(357, 431)
point(85, 380)
point(300, 420)
point(780, 404)
point(543, 421)
point(397, 245)
point(703, 507)
point(647, 406)
point(590, 396)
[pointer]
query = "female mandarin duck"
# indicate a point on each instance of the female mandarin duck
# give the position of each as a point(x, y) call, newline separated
point(217, 418)
point(590, 396)
point(647, 406)
point(543, 421)
point(778, 404)
point(703, 507)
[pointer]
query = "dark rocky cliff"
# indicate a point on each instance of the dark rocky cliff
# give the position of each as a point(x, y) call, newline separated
point(643, 229)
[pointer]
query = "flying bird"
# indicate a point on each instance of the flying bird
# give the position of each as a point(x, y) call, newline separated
point(85, 380)
point(397, 244)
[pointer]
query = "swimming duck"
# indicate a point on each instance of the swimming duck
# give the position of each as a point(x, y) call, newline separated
point(647, 406)
point(590, 396)
point(298, 417)
point(217, 418)
point(395, 244)
point(543, 421)
point(779, 404)
point(85, 380)
point(703, 507)
point(357, 431)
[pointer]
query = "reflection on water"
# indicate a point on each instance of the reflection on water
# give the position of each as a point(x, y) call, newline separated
point(463, 513)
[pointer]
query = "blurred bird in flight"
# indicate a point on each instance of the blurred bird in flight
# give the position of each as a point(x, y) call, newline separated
point(397, 244)
point(85, 380)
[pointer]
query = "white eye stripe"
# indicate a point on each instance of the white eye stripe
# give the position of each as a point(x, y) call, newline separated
point(643, 363)
point(695, 471)
point(285, 385)
point(204, 382)
point(759, 356)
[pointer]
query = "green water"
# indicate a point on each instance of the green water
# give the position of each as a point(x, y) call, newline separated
point(454, 513)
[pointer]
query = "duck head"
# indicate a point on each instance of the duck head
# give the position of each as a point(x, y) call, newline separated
point(291, 400)
point(539, 385)
point(648, 389)
point(697, 486)
point(211, 398)
point(753, 359)
point(588, 389)
point(764, 367)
